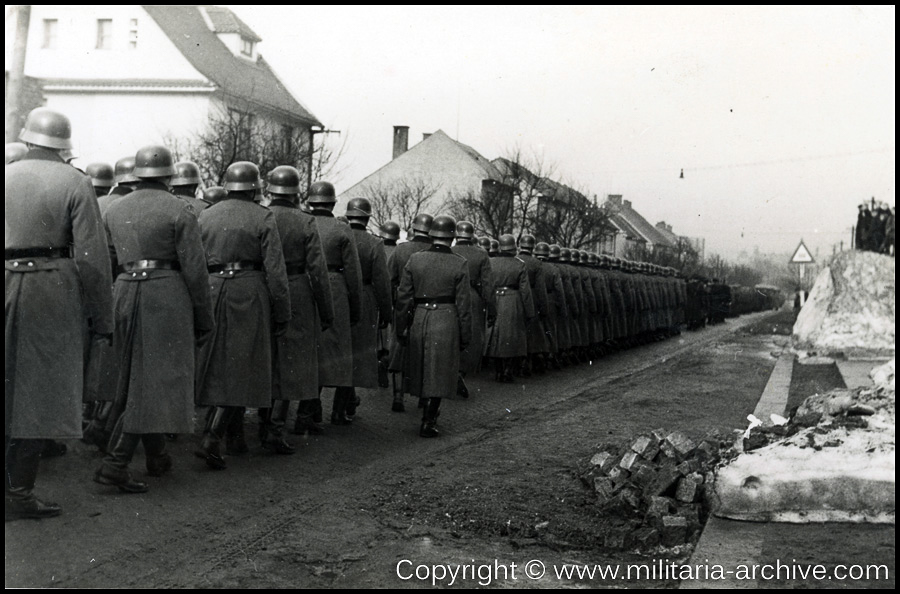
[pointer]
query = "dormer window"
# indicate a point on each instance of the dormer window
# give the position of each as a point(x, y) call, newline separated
point(247, 47)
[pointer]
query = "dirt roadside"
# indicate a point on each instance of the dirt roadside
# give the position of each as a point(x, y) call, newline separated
point(499, 484)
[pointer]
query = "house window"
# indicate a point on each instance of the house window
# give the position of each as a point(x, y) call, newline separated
point(241, 124)
point(132, 34)
point(50, 28)
point(104, 33)
point(247, 47)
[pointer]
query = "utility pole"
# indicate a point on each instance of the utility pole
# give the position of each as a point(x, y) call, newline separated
point(17, 74)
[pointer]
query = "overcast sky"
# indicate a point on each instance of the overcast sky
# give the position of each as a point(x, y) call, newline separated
point(782, 118)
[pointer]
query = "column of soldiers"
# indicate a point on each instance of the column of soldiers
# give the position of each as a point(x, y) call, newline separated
point(875, 227)
point(131, 301)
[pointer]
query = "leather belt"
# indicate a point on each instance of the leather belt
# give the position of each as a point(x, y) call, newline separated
point(139, 265)
point(506, 288)
point(293, 269)
point(335, 268)
point(235, 266)
point(435, 300)
point(38, 252)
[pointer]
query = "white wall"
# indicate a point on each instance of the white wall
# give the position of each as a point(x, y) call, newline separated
point(76, 55)
point(110, 126)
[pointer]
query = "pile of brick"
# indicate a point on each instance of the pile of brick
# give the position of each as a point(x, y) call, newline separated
point(655, 485)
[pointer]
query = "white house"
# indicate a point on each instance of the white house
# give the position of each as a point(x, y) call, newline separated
point(129, 76)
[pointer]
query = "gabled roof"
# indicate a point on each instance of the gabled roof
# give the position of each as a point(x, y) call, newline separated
point(672, 237)
point(490, 172)
point(252, 81)
point(636, 226)
point(225, 21)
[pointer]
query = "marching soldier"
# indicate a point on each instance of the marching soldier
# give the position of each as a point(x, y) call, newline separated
point(161, 303)
point(214, 194)
point(481, 297)
point(433, 317)
point(507, 341)
point(536, 338)
point(336, 343)
point(296, 373)
point(57, 282)
point(420, 241)
point(556, 300)
point(249, 290)
point(185, 183)
point(125, 183)
point(390, 233)
point(102, 177)
point(377, 304)
point(493, 248)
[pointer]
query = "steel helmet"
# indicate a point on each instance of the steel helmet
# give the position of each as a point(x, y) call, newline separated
point(241, 176)
point(542, 249)
point(564, 254)
point(443, 227)
point(125, 171)
point(47, 128)
point(14, 152)
point(390, 230)
point(153, 161)
point(526, 243)
point(592, 259)
point(186, 173)
point(465, 230)
point(507, 243)
point(555, 251)
point(495, 247)
point(321, 192)
point(484, 243)
point(284, 179)
point(101, 174)
point(359, 207)
point(422, 222)
point(214, 194)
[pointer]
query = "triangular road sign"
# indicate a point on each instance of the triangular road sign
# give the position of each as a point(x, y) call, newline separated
point(802, 255)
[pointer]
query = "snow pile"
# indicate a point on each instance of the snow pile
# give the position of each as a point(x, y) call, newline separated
point(851, 306)
point(833, 461)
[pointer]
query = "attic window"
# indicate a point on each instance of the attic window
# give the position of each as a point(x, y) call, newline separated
point(50, 29)
point(247, 46)
point(104, 33)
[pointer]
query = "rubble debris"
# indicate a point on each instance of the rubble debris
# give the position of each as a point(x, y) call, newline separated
point(656, 484)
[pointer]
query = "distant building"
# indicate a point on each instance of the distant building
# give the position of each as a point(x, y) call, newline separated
point(132, 75)
point(434, 172)
point(632, 230)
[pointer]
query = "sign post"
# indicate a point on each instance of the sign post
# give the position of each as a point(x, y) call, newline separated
point(802, 257)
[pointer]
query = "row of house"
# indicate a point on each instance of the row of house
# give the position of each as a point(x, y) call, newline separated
point(130, 76)
point(438, 170)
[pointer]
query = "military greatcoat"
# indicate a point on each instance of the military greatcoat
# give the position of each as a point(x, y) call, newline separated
point(296, 373)
point(157, 310)
point(236, 365)
point(537, 339)
point(376, 304)
point(515, 306)
point(336, 343)
point(433, 305)
point(481, 296)
point(50, 204)
point(396, 264)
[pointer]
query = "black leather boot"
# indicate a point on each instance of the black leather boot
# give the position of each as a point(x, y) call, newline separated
point(114, 470)
point(338, 409)
point(429, 418)
point(23, 456)
point(462, 390)
point(211, 446)
point(158, 460)
point(235, 441)
point(397, 405)
point(305, 423)
point(351, 402)
point(277, 416)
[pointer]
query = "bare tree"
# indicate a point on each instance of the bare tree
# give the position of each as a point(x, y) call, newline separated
point(683, 256)
point(567, 217)
point(235, 132)
point(400, 200)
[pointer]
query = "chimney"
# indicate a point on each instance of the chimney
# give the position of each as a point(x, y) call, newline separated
point(627, 203)
point(425, 135)
point(615, 199)
point(661, 225)
point(401, 140)
point(669, 228)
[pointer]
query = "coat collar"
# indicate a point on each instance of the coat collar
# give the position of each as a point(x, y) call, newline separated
point(443, 249)
point(41, 154)
point(283, 202)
